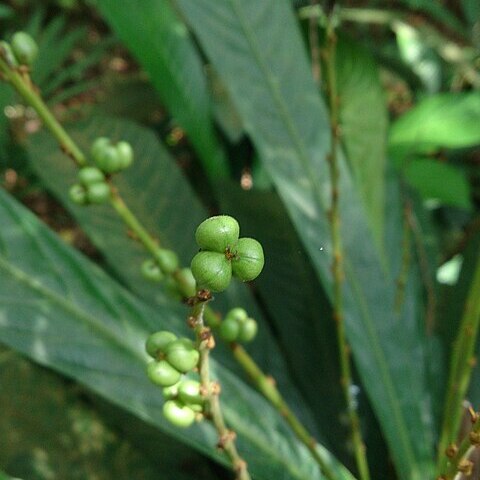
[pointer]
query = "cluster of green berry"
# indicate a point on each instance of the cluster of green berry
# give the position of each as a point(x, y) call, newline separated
point(111, 158)
point(237, 326)
point(22, 50)
point(91, 187)
point(223, 254)
point(173, 357)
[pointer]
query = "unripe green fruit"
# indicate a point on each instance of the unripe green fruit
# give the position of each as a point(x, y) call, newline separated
point(167, 260)
point(186, 283)
point(125, 154)
point(248, 330)
point(7, 54)
point(157, 342)
point(98, 146)
point(249, 260)
point(230, 329)
point(24, 48)
point(237, 313)
point(108, 159)
point(182, 355)
point(212, 271)
point(218, 233)
point(162, 373)
point(151, 271)
point(98, 193)
point(178, 414)
point(169, 393)
point(78, 194)
point(189, 393)
point(90, 175)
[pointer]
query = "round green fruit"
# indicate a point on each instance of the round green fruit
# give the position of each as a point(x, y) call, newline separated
point(90, 175)
point(157, 342)
point(178, 414)
point(162, 373)
point(182, 355)
point(167, 260)
point(125, 154)
point(24, 48)
point(230, 329)
point(237, 313)
point(169, 393)
point(108, 159)
point(98, 193)
point(248, 330)
point(212, 271)
point(217, 234)
point(189, 392)
point(249, 260)
point(98, 146)
point(78, 194)
point(186, 283)
point(151, 271)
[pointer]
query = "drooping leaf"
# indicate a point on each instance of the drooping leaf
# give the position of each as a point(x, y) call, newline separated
point(363, 123)
point(166, 51)
point(65, 313)
point(261, 60)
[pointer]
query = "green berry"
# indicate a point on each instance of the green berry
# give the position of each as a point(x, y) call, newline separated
point(7, 54)
point(186, 283)
point(212, 271)
point(151, 271)
point(24, 48)
point(90, 175)
point(249, 260)
point(162, 373)
point(230, 329)
point(157, 342)
point(125, 154)
point(167, 260)
point(218, 233)
point(98, 193)
point(182, 355)
point(238, 313)
point(108, 159)
point(178, 414)
point(98, 146)
point(248, 330)
point(78, 194)
point(189, 392)
point(169, 393)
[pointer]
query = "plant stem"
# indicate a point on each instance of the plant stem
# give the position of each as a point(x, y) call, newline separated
point(264, 383)
point(226, 437)
point(337, 255)
point(461, 366)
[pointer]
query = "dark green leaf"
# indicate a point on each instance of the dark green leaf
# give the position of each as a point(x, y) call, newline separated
point(261, 59)
point(164, 48)
point(65, 313)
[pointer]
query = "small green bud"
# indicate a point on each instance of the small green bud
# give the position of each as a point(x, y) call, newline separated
point(125, 154)
point(218, 233)
point(98, 146)
point(167, 260)
point(78, 194)
point(178, 414)
point(248, 330)
point(182, 355)
point(212, 271)
point(157, 342)
point(90, 175)
point(98, 193)
point(230, 329)
point(24, 48)
point(162, 373)
point(151, 271)
point(249, 259)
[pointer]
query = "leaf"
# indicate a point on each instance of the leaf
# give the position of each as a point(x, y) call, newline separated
point(363, 120)
point(65, 313)
point(261, 59)
point(439, 181)
point(164, 48)
point(446, 120)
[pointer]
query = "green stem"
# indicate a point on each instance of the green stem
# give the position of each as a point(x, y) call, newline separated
point(267, 388)
point(461, 367)
point(27, 91)
point(226, 437)
point(337, 261)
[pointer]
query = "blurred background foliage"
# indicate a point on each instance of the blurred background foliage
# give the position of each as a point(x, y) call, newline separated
point(409, 79)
